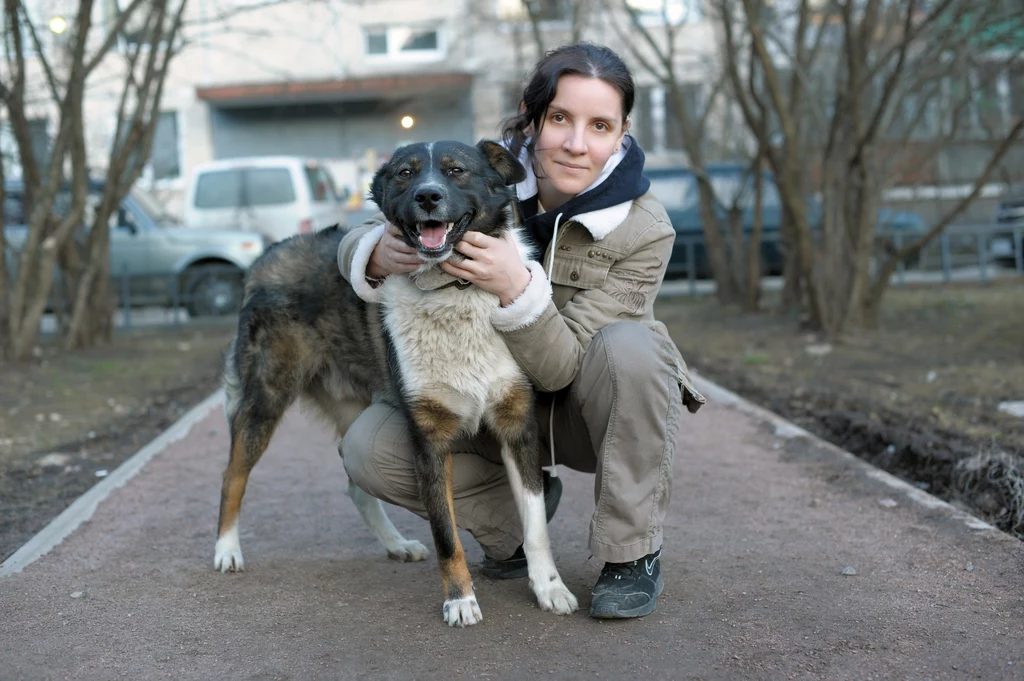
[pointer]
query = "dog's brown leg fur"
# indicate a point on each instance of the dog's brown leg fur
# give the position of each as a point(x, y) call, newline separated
point(433, 428)
point(455, 577)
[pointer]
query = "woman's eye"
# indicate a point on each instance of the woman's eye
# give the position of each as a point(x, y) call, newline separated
point(601, 126)
point(404, 172)
point(558, 118)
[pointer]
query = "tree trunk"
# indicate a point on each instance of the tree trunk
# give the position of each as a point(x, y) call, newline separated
point(753, 292)
point(792, 291)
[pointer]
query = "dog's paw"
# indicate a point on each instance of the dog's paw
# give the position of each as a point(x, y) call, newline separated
point(461, 612)
point(555, 597)
point(408, 551)
point(227, 555)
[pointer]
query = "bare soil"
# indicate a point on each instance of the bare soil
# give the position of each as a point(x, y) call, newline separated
point(67, 418)
point(918, 397)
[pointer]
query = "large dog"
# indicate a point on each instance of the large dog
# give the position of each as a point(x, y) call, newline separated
point(304, 333)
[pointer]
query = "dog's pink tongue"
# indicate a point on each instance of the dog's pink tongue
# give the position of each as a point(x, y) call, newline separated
point(432, 237)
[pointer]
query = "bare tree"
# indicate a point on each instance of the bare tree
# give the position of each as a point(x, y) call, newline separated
point(844, 113)
point(56, 234)
point(733, 255)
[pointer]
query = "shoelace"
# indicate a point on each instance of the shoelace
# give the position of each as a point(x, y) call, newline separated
point(620, 570)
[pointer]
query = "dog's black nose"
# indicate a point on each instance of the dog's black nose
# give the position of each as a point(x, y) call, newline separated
point(428, 197)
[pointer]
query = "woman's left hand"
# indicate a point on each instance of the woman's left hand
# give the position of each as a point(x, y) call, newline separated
point(492, 264)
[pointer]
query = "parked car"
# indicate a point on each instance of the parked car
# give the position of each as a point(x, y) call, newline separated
point(676, 188)
point(1010, 214)
point(275, 196)
point(162, 263)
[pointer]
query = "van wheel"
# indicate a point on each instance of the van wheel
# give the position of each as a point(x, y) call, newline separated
point(213, 290)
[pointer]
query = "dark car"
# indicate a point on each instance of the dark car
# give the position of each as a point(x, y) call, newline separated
point(1005, 247)
point(161, 262)
point(676, 188)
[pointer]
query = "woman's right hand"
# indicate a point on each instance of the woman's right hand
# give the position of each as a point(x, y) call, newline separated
point(392, 256)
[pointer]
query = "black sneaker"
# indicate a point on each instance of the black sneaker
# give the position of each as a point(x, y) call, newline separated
point(628, 589)
point(514, 567)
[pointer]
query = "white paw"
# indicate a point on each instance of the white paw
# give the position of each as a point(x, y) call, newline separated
point(408, 551)
point(461, 612)
point(555, 597)
point(227, 555)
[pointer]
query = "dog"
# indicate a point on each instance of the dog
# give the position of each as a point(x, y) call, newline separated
point(304, 333)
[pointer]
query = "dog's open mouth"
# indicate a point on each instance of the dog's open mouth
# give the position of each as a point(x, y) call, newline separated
point(436, 236)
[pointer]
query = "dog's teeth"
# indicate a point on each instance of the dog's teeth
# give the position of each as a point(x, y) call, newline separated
point(448, 228)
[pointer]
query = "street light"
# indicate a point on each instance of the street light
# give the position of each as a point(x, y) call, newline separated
point(408, 122)
point(58, 25)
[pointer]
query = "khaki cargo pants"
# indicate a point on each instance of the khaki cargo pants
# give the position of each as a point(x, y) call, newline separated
point(619, 419)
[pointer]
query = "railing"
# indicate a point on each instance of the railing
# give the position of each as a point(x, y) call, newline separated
point(962, 252)
point(210, 295)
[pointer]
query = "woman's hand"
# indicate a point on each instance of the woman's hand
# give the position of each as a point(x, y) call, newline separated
point(492, 264)
point(392, 256)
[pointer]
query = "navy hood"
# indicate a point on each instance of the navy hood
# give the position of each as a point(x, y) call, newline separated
point(626, 182)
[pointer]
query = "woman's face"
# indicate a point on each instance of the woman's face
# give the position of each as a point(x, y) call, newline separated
point(581, 130)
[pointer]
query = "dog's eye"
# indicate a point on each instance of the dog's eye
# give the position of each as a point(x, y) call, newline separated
point(404, 172)
point(456, 171)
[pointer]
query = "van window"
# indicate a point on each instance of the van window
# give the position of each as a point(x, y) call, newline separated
point(219, 189)
point(321, 187)
point(269, 186)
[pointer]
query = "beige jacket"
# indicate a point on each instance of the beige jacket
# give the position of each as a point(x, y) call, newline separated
point(600, 268)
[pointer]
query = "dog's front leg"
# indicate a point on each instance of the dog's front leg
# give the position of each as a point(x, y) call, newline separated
point(514, 423)
point(433, 429)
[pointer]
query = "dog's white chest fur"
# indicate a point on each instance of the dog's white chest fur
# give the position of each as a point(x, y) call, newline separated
point(447, 348)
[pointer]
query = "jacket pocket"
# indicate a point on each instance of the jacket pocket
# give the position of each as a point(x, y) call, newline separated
point(579, 273)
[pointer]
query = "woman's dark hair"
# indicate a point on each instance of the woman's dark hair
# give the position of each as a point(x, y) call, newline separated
point(582, 59)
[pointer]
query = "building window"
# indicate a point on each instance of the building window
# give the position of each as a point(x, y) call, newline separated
point(538, 10)
point(165, 160)
point(403, 42)
point(137, 33)
point(655, 12)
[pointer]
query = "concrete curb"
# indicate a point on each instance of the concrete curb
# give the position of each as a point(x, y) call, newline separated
point(787, 429)
point(83, 507)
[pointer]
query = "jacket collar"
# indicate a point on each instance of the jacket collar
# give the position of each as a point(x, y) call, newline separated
point(601, 223)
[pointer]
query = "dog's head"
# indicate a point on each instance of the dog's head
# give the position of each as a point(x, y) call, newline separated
point(435, 192)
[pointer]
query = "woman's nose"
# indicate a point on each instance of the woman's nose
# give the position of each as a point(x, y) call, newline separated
point(575, 141)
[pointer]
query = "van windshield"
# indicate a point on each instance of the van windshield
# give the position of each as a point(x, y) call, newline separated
point(269, 186)
point(244, 187)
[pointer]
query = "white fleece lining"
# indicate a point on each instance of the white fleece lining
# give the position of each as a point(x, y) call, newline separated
point(529, 306)
point(601, 223)
point(360, 259)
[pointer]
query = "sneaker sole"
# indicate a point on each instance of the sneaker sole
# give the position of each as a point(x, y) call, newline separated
point(612, 613)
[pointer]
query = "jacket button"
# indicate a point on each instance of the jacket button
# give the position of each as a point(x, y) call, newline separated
point(564, 248)
point(590, 253)
point(574, 275)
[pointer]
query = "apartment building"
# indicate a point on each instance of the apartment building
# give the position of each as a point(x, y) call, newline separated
point(348, 81)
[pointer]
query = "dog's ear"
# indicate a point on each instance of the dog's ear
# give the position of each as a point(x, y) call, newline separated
point(378, 185)
point(503, 161)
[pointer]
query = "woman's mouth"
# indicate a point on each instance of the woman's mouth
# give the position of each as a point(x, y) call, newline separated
point(572, 168)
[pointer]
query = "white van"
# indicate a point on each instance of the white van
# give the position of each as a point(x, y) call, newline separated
point(276, 196)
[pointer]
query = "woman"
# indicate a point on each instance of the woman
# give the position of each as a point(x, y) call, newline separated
point(611, 384)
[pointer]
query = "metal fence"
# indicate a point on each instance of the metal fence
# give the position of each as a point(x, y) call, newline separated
point(975, 252)
point(963, 253)
point(209, 295)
